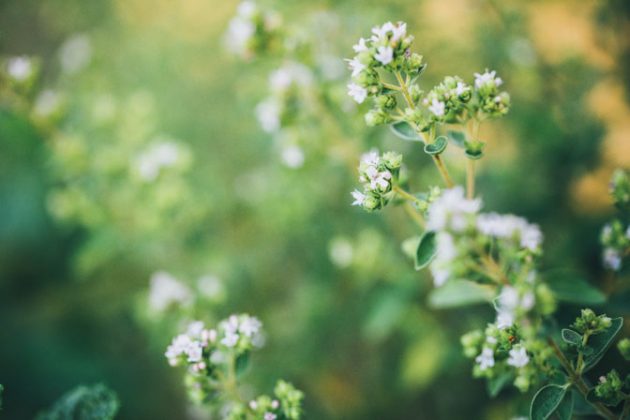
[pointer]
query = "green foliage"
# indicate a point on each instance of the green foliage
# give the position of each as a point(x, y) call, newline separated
point(567, 287)
point(426, 250)
point(601, 341)
point(438, 146)
point(403, 130)
point(93, 402)
point(458, 293)
point(547, 401)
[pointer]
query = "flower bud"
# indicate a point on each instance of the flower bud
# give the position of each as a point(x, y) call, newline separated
point(376, 117)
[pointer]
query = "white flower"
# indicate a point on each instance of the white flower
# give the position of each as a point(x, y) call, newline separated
point(250, 326)
point(230, 339)
point(518, 357)
point(340, 250)
point(531, 236)
point(509, 298)
point(165, 290)
point(358, 93)
point(509, 226)
point(399, 31)
point(527, 301)
point(487, 79)
point(75, 54)
point(445, 247)
point(437, 108)
point(194, 352)
point(268, 115)
point(246, 9)
point(253, 404)
point(461, 89)
point(612, 259)
point(161, 155)
point(359, 198)
point(293, 157)
point(451, 210)
point(485, 359)
point(360, 47)
point(356, 66)
point(440, 275)
point(269, 416)
point(505, 319)
point(380, 32)
point(290, 74)
point(240, 31)
point(210, 286)
point(384, 54)
point(20, 68)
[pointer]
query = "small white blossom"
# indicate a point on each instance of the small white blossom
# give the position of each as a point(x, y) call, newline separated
point(358, 93)
point(505, 319)
point(356, 66)
point(75, 54)
point(268, 115)
point(487, 79)
point(437, 108)
point(485, 359)
point(210, 286)
point(380, 32)
point(159, 156)
point(518, 357)
point(384, 54)
point(293, 157)
point(47, 103)
point(230, 339)
point(440, 275)
point(360, 46)
point(461, 89)
point(165, 290)
point(250, 326)
point(451, 206)
point(612, 259)
point(20, 68)
point(269, 416)
point(359, 198)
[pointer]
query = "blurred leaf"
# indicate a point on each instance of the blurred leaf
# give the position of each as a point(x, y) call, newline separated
point(426, 250)
point(497, 383)
point(437, 146)
point(458, 138)
point(384, 315)
point(546, 401)
point(571, 337)
point(601, 342)
point(96, 402)
point(459, 293)
point(1, 391)
point(242, 363)
point(404, 131)
point(580, 406)
point(573, 289)
point(410, 245)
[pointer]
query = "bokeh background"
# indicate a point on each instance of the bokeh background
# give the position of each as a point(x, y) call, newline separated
point(346, 315)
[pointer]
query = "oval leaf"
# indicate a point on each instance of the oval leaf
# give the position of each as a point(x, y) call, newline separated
point(458, 138)
point(459, 293)
point(571, 337)
point(497, 383)
point(600, 343)
point(437, 146)
point(569, 287)
point(565, 409)
point(546, 401)
point(405, 131)
point(426, 250)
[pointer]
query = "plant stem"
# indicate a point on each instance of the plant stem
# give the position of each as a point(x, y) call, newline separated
point(577, 380)
point(405, 194)
point(436, 158)
point(413, 214)
point(470, 179)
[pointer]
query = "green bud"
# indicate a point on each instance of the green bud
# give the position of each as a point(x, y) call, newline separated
point(522, 382)
point(392, 160)
point(620, 189)
point(371, 203)
point(590, 323)
point(608, 390)
point(376, 117)
point(624, 348)
point(415, 92)
point(545, 299)
point(385, 101)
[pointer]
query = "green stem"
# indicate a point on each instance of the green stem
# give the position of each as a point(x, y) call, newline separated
point(436, 158)
point(577, 380)
point(470, 179)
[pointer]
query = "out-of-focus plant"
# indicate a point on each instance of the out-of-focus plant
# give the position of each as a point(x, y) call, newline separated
point(615, 235)
point(216, 358)
point(94, 402)
point(485, 256)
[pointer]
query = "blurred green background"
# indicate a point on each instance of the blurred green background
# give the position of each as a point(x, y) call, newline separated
point(345, 313)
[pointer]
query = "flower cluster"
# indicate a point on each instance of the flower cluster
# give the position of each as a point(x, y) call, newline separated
point(165, 291)
point(251, 31)
point(378, 174)
point(160, 156)
point(615, 236)
point(214, 359)
point(388, 53)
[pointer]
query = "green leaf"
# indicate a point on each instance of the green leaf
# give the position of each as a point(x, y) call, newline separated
point(546, 401)
point(497, 383)
point(601, 342)
point(95, 402)
point(474, 154)
point(242, 363)
point(409, 246)
point(457, 293)
point(565, 409)
point(571, 337)
point(569, 287)
point(426, 250)
point(405, 131)
point(458, 138)
point(437, 146)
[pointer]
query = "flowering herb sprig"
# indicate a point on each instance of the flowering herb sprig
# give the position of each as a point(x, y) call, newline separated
point(253, 31)
point(216, 357)
point(615, 236)
point(386, 70)
point(482, 256)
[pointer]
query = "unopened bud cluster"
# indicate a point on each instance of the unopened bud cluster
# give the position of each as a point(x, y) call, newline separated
point(377, 174)
point(252, 31)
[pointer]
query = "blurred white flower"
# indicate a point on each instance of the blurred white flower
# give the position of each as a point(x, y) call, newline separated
point(293, 157)
point(358, 93)
point(75, 54)
point(485, 359)
point(518, 357)
point(165, 290)
point(20, 68)
point(340, 251)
